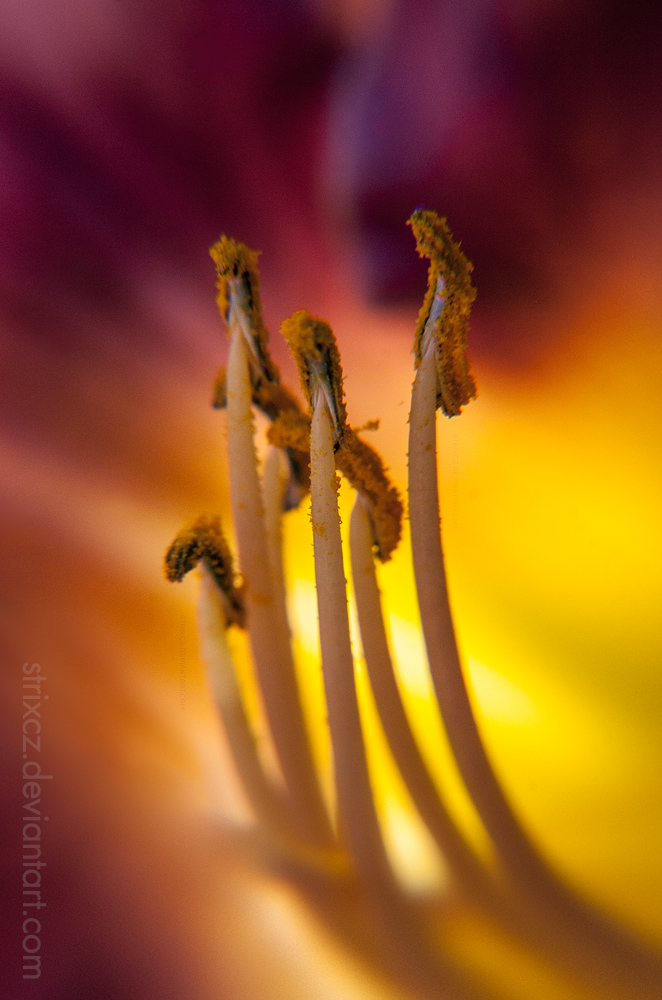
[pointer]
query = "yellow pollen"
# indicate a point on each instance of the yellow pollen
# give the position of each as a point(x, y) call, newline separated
point(204, 540)
point(446, 308)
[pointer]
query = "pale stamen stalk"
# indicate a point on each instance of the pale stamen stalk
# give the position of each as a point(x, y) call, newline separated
point(275, 481)
point(469, 874)
point(357, 818)
point(271, 651)
point(525, 898)
point(602, 943)
point(268, 805)
point(438, 626)
point(464, 867)
point(355, 805)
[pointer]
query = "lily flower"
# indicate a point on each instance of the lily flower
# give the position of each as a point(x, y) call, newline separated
point(512, 889)
point(194, 840)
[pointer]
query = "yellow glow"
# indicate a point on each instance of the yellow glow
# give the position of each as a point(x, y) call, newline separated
point(550, 507)
point(550, 501)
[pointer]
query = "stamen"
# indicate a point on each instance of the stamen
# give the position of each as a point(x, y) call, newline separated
point(444, 315)
point(315, 351)
point(528, 872)
point(314, 348)
point(219, 399)
point(522, 896)
point(238, 298)
point(241, 304)
point(470, 876)
point(276, 481)
point(204, 541)
point(355, 806)
point(465, 868)
point(273, 398)
point(291, 430)
point(280, 406)
point(266, 620)
point(220, 604)
point(364, 469)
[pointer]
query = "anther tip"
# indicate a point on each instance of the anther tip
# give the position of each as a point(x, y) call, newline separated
point(315, 351)
point(444, 320)
point(204, 540)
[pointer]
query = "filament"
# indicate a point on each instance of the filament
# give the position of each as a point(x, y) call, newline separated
point(346, 874)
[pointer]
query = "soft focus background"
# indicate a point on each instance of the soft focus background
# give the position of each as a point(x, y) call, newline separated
point(131, 134)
